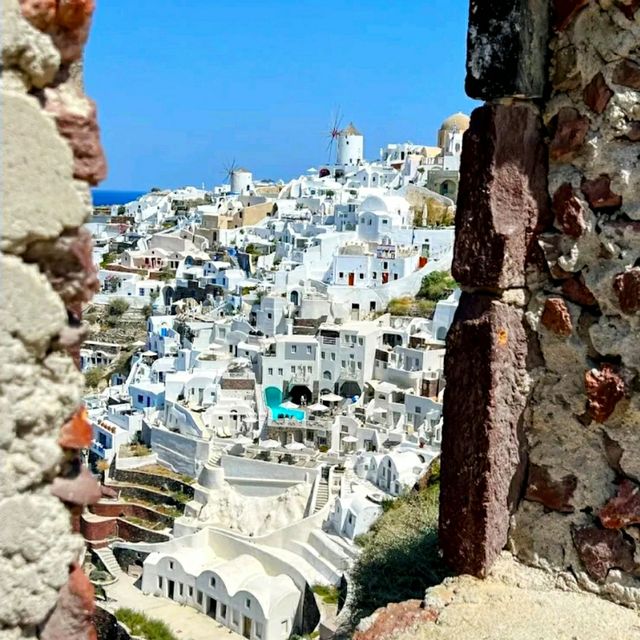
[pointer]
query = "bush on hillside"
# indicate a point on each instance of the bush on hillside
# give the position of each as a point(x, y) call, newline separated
point(94, 376)
point(403, 544)
point(436, 285)
point(117, 307)
point(140, 625)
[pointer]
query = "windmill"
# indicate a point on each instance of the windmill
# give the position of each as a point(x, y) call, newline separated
point(229, 168)
point(334, 132)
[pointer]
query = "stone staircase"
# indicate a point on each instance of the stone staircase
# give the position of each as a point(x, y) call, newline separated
point(109, 561)
point(322, 497)
point(214, 457)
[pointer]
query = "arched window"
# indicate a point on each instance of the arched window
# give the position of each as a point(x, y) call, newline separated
point(326, 375)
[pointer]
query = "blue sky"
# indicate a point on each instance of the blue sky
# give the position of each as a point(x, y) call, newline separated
point(186, 86)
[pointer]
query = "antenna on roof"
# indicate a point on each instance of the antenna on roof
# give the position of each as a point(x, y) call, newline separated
point(334, 131)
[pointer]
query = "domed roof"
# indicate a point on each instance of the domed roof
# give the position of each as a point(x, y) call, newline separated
point(459, 121)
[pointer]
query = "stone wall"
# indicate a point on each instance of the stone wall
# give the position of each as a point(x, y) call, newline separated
point(51, 155)
point(541, 448)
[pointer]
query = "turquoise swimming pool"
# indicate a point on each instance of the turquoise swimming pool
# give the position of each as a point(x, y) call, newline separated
point(273, 400)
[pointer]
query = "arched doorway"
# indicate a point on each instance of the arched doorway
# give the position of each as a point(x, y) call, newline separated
point(295, 297)
point(300, 394)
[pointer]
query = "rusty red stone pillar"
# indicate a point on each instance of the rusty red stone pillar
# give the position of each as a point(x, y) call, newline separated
point(502, 206)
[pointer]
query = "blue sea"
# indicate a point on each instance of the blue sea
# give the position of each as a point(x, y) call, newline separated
point(106, 197)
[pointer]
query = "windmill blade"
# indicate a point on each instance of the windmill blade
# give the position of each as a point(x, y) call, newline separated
point(334, 131)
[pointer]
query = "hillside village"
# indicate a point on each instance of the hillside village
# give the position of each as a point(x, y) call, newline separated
point(265, 372)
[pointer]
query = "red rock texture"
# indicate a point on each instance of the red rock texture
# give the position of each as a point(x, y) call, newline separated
point(81, 490)
point(72, 617)
point(575, 290)
point(570, 132)
point(396, 618)
point(483, 466)
point(67, 263)
point(503, 198)
point(624, 509)
point(556, 317)
point(66, 21)
point(77, 122)
point(597, 94)
point(569, 211)
point(603, 549)
point(76, 433)
point(628, 7)
point(564, 11)
point(599, 195)
point(553, 494)
point(627, 288)
point(627, 73)
point(605, 388)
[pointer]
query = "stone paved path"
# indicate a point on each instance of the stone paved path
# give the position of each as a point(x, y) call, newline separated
point(185, 622)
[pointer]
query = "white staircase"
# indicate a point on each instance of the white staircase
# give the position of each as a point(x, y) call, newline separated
point(322, 497)
point(109, 561)
point(329, 550)
point(214, 457)
point(348, 548)
point(323, 566)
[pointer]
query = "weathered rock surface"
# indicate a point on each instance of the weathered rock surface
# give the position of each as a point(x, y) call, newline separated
point(482, 469)
point(502, 200)
point(513, 603)
point(506, 49)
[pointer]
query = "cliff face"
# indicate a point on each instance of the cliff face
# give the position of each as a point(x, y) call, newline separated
point(541, 442)
point(51, 154)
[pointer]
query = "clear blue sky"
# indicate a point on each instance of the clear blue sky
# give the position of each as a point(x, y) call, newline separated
point(185, 86)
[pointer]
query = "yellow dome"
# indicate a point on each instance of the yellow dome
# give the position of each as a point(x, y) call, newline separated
point(458, 121)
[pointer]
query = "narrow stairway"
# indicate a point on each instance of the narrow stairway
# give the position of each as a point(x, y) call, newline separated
point(109, 561)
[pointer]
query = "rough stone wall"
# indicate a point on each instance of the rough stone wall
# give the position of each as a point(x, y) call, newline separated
point(541, 441)
point(50, 155)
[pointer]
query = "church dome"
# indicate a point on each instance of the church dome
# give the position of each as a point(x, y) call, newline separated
point(458, 121)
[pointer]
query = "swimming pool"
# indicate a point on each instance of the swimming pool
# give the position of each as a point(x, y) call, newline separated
point(273, 400)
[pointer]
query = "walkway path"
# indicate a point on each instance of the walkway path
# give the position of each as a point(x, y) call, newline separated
point(185, 622)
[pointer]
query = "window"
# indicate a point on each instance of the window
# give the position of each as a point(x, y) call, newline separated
point(223, 611)
point(362, 276)
point(375, 275)
point(323, 355)
point(369, 222)
point(247, 603)
point(160, 582)
point(385, 221)
point(180, 587)
point(344, 363)
point(212, 582)
point(359, 364)
point(191, 592)
point(385, 265)
point(418, 409)
point(270, 371)
point(294, 348)
point(309, 350)
point(170, 564)
point(280, 372)
point(360, 341)
point(199, 597)
point(341, 274)
point(258, 630)
point(333, 357)
point(269, 316)
point(140, 398)
point(395, 276)
point(293, 369)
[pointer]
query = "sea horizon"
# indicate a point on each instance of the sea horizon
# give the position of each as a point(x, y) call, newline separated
point(108, 197)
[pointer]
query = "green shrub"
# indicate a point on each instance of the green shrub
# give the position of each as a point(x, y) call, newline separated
point(95, 375)
point(328, 593)
point(436, 285)
point(117, 307)
point(400, 556)
point(140, 625)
